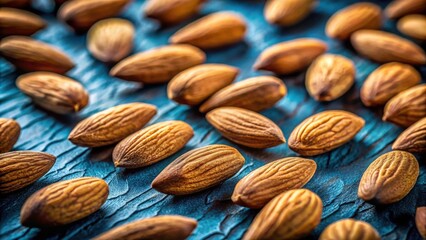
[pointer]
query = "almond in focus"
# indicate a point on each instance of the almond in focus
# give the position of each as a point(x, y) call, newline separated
point(413, 139)
point(9, 134)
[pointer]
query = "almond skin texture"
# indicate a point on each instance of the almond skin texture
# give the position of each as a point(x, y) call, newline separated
point(196, 84)
point(212, 31)
point(387, 81)
point(54, 92)
point(421, 221)
point(350, 229)
point(263, 184)
point(166, 227)
point(29, 55)
point(386, 47)
point(291, 215)
point(158, 65)
point(199, 169)
point(287, 12)
point(21, 168)
point(246, 127)
point(324, 132)
point(19, 22)
point(398, 8)
point(413, 26)
point(15, 3)
point(152, 144)
point(111, 40)
point(256, 94)
point(357, 16)
point(9, 134)
point(389, 178)
point(64, 202)
point(170, 12)
point(413, 139)
point(112, 125)
point(407, 107)
point(329, 77)
point(291, 56)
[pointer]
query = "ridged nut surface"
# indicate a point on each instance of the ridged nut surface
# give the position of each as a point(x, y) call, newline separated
point(413, 139)
point(9, 134)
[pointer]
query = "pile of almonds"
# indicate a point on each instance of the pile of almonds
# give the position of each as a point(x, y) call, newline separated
point(287, 210)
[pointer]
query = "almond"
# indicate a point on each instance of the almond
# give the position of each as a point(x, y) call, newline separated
point(158, 227)
point(170, 12)
point(263, 184)
point(357, 16)
point(29, 55)
point(246, 127)
point(112, 125)
point(15, 3)
point(19, 22)
point(256, 94)
point(350, 229)
point(329, 77)
point(290, 56)
point(196, 84)
point(413, 139)
point(152, 144)
point(64, 202)
point(291, 215)
point(324, 132)
point(386, 47)
point(111, 40)
point(212, 31)
point(387, 81)
point(287, 12)
point(54, 92)
point(9, 134)
point(421, 221)
point(413, 26)
point(407, 107)
point(398, 8)
point(22, 168)
point(158, 65)
point(199, 169)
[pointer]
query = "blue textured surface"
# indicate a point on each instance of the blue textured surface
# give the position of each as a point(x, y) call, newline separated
point(131, 196)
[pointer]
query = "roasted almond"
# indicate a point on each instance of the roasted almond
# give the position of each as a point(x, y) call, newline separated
point(170, 12)
point(263, 184)
point(329, 77)
point(290, 215)
point(386, 47)
point(112, 125)
point(64, 202)
point(387, 81)
point(21, 168)
point(246, 127)
point(290, 56)
point(413, 25)
point(421, 221)
point(413, 139)
point(15, 3)
point(158, 65)
point(407, 107)
point(256, 94)
point(324, 132)
point(19, 22)
point(287, 12)
point(350, 229)
point(166, 227)
point(29, 55)
point(400, 8)
point(152, 144)
point(212, 31)
point(111, 40)
point(54, 92)
point(196, 84)
point(9, 134)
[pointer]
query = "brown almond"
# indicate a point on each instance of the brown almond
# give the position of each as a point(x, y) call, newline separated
point(387, 81)
point(263, 184)
point(398, 8)
point(329, 77)
point(158, 65)
point(212, 31)
point(421, 221)
point(111, 40)
point(112, 125)
point(9, 134)
point(290, 56)
point(389, 178)
point(64, 202)
point(287, 12)
point(363, 15)
point(246, 127)
point(407, 107)
point(413, 139)
point(194, 85)
point(19, 22)
point(324, 132)
point(152, 144)
point(29, 55)
point(350, 229)
point(166, 227)
point(256, 94)
point(413, 25)
point(199, 169)
point(170, 12)
point(291, 215)
point(15, 3)
point(386, 47)
point(54, 92)
point(22, 168)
